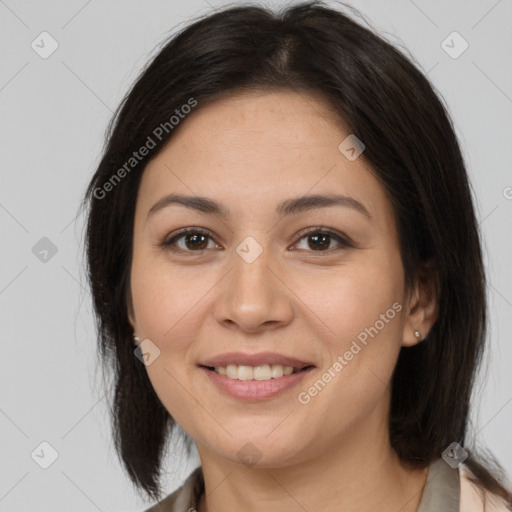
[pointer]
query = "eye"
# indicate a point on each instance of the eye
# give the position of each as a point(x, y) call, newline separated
point(319, 239)
point(196, 240)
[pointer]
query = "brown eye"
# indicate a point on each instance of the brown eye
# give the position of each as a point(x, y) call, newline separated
point(319, 240)
point(194, 240)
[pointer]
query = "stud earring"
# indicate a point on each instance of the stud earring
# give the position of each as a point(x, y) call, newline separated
point(418, 335)
point(135, 339)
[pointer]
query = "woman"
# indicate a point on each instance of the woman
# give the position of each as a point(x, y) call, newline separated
point(282, 225)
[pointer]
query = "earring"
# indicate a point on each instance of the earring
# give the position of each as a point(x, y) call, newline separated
point(135, 339)
point(418, 335)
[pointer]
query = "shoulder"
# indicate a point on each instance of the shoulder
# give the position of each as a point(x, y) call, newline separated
point(475, 499)
point(183, 499)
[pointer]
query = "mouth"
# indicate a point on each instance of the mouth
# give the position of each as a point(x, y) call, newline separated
point(254, 377)
point(260, 372)
point(255, 383)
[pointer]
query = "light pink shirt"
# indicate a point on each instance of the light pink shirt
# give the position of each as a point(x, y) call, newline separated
point(473, 499)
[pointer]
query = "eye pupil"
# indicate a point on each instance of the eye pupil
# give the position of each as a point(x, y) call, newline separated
point(318, 237)
point(194, 238)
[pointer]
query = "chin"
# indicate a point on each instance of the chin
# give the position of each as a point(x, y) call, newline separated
point(262, 449)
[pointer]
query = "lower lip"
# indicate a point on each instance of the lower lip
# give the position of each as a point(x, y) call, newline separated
point(255, 389)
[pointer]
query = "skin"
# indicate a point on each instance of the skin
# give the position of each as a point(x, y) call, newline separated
point(249, 152)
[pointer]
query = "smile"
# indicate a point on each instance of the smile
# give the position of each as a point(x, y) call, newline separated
point(261, 372)
point(255, 384)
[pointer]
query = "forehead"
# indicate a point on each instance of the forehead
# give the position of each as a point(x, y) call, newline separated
point(254, 121)
point(256, 149)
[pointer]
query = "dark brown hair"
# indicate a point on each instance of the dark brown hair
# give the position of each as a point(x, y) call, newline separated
point(413, 151)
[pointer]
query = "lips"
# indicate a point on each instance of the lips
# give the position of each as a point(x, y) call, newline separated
point(254, 390)
point(260, 359)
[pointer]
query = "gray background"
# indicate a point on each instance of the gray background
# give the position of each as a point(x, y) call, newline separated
point(52, 119)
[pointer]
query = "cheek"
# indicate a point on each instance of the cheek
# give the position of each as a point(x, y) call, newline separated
point(349, 301)
point(169, 304)
point(362, 310)
point(166, 298)
point(163, 301)
point(364, 316)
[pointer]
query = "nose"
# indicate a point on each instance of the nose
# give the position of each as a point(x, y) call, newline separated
point(253, 297)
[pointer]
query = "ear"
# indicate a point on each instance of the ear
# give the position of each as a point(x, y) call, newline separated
point(422, 307)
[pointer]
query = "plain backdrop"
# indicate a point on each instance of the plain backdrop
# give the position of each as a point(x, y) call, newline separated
point(53, 114)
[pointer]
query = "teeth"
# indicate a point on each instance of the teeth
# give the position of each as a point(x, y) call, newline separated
point(263, 372)
point(277, 371)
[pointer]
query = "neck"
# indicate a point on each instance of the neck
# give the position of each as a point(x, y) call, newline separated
point(354, 476)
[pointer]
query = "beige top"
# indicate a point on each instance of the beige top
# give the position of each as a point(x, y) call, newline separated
point(446, 490)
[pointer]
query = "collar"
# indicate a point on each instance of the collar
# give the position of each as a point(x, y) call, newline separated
point(442, 489)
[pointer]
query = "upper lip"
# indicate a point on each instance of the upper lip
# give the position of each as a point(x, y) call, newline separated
point(239, 358)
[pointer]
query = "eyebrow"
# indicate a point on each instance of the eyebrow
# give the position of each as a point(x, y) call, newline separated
point(287, 207)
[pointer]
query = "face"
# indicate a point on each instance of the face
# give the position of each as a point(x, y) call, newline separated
point(264, 279)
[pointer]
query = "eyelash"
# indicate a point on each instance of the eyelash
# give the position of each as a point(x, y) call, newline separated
point(167, 244)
